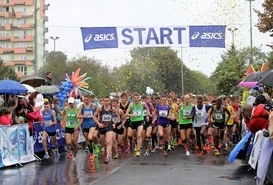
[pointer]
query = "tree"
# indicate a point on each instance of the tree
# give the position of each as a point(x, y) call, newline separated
point(56, 62)
point(265, 23)
point(7, 72)
point(230, 71)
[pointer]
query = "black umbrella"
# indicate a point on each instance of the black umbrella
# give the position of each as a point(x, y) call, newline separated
point(34, 81)
point(267, 80)
point(251, 77)
point(262, 75)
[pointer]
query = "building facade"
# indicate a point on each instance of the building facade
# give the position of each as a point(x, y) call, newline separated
point(18, 46)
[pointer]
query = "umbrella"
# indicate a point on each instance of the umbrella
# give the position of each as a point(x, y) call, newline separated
point(34, 81)
point(11, 87)
point(47, 89)
point(251, 77)
point(267, 80)
point(29, 88)
point(262, 75)
point(248, 84)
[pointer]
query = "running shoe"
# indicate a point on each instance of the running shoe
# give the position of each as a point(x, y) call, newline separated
point(86, 149)
point(153, 150)
point(46, 156)
point(200, 153)
point(119, 149)
point(169, 148)
point(188, 153)
point(135, 149)
point(138, 153)
point(116, 156)
point(69, 156)
point(57, 154)
point(146, 153)
point(216, 152)
point(106, 161)
point(74, 159)
point(165, 154)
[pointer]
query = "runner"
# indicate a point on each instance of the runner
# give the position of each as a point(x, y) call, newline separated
point(86, 112)
point(119, 128)
point(49, 129)
point(185, 122)
point(103, 118)
point(71, 124)
point(124, 104)
point(218, 114)
point(135, 112)
point(163, 112)
point(173, 122)
point(200, 115)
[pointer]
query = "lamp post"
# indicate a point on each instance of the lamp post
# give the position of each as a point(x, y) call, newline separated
point(233, 31)
point(250, 30)
point(54, 39)
point(36, 9)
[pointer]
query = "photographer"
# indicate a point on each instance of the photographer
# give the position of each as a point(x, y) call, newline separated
point(256, 117)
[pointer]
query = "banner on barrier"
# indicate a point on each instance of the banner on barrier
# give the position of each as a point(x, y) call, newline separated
point(175, 36)
point(16, 145)
point(256, 150)
point(38, 137)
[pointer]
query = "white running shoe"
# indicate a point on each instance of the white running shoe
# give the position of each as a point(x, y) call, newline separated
point(188, 153)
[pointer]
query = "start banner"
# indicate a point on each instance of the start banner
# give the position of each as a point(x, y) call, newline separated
point(174, 36)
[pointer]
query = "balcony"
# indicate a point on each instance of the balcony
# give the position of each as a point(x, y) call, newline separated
point(45, 18)
point(27, 38)
point(4, 38)
point(19, 15)
point(19, 62)
point(8, 26)
point(16, 50)
point(5, 14)
point(46, 7)
point(45, 29)
point(16, 2)
point(27, 26)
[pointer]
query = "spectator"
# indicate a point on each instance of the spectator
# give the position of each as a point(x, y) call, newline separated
point(13, 103)
point(48, 78)
point(6, 117)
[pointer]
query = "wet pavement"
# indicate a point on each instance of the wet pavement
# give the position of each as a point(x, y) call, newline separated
point(177, 168)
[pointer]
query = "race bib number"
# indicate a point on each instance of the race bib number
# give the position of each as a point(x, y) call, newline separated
point(218, 116)
point(163, 113)
point(199, 113)
point(137, 112)
point(89, 114)
point(70, 122)
point(106, 118)
point(48, 123)
point(186, 112)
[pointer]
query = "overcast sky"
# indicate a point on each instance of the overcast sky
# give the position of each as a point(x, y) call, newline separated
point(67, 16)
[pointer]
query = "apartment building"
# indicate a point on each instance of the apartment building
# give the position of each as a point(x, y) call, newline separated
point(17, 35)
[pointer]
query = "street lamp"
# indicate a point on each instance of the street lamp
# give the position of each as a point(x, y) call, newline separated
point(232, 31)
point(250, 30)
point(54, 39)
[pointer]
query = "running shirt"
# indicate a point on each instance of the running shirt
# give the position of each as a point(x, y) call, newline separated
point(201, 116)
point(138, 111)
point(230, 120)
point(106, 116)
point(88, 122)
point(163, 112)
point(114, 117)
point(218, 115)
point(71, 119)
point(172, 113)
point(184, 111)
point(149, 105)
point(47, 121)
point(124, 109)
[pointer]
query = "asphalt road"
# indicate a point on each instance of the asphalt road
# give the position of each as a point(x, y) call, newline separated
point(177, 168)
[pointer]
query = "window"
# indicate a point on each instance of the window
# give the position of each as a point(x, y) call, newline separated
point(3, 21)
point(4, 45)
point(21, 33)
point(4, 33)
point(23, 70)
point(21, 21)
point(4, 57)
point(22, 57)
point(22, 45)
point(22, 9)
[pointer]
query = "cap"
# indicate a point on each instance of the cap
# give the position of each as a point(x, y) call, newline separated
point(260, 99)
point(71, 100)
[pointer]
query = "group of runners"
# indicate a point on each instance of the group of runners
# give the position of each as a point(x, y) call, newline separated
point(142, 124)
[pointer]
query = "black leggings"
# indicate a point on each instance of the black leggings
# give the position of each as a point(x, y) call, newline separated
point(200, 133)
